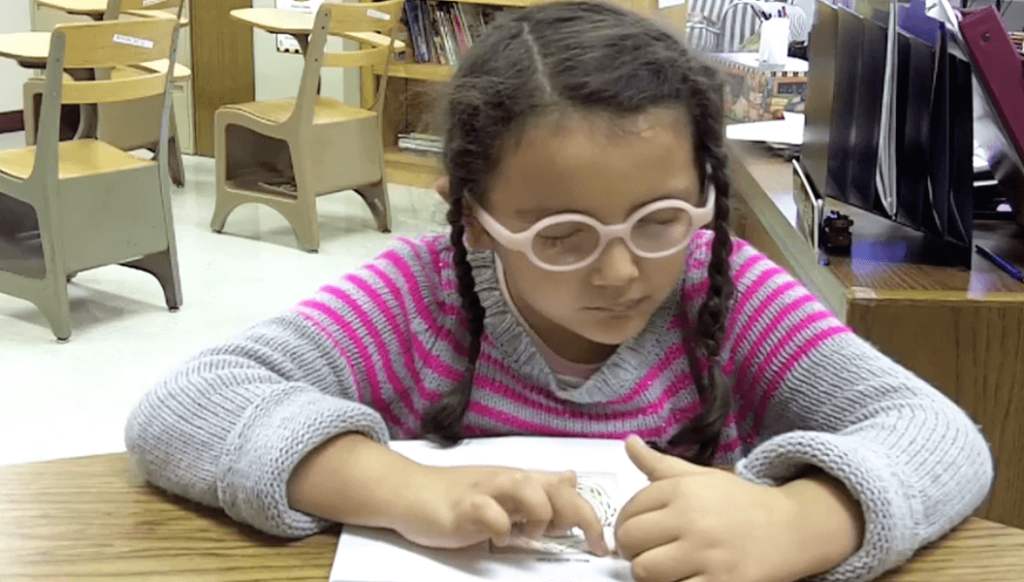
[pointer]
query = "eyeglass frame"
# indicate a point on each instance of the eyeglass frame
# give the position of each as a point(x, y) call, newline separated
point(523, 241)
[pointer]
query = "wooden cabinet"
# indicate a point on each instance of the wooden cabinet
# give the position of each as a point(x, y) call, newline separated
point(962, 331)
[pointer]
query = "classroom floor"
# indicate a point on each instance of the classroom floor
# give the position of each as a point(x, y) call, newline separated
point(64, 400)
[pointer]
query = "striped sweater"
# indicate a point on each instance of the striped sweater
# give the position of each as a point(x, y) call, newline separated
point(371, 351)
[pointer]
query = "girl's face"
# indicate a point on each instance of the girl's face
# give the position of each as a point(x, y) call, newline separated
point(606, 169)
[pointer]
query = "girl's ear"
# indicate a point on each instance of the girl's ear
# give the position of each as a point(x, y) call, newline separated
point(477, 238)
point(442, 187)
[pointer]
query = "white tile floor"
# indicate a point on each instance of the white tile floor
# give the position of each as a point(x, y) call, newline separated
point(63, 400)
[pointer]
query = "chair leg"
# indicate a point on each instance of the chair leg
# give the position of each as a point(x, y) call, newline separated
point(303, 217)
point(30, 115)
point(223, 207)
point(376, 197)
point(175, 163)
point(177, 167)
point(162, 266)
point(306, 224)
point(57, 308)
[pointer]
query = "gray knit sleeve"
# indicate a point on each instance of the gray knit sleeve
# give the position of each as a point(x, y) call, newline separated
point(825, 398)
point(228, 427)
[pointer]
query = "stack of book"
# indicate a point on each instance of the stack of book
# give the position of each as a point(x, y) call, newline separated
point(442, 31)
point(1017, 38)
point(420, 143)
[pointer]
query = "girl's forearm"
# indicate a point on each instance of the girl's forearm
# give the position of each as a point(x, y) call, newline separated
point(354, 480)
point(825, 524)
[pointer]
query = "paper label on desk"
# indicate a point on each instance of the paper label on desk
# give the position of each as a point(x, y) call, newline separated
point(378, 14)
point(133, 41)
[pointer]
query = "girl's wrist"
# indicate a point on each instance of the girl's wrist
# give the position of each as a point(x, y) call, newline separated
point(821, 524)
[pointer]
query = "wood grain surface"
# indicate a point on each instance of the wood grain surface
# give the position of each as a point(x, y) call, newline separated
point(94, 519)
point(961, 330)
point(222, 64)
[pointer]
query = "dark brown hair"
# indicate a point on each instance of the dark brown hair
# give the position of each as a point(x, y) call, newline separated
point(596, 58)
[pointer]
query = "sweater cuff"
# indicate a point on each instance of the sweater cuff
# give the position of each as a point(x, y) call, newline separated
point(276, 433)
point(889, 514)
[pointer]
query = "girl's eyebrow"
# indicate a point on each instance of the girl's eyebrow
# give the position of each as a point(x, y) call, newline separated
point(539, 212)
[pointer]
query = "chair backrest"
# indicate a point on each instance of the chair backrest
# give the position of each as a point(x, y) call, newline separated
point(100, 46)
point(127, 5)
point(341, 20)
point(104, 45)
point(115, 8)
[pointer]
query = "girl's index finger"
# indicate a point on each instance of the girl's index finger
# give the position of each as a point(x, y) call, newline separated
point(573, 510)
point(592, 528)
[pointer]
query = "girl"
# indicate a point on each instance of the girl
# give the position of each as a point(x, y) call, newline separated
point(589, 287)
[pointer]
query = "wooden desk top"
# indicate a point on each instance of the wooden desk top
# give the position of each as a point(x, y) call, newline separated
point(31, 49)
point(298, 23)
point(28, 48)
point(93, 519)
point(81, 7)
point(865, 273)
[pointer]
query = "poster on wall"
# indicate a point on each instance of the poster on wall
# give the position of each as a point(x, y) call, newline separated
point(286, 43)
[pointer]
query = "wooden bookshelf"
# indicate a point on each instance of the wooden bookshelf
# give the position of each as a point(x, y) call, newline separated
point(411, 169)
point(405, 106)
point(421, 71)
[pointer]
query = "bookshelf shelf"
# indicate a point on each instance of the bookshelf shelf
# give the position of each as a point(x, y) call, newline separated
point(405, 108)
point(411, 169)
point(421, 71)
point(509, 3)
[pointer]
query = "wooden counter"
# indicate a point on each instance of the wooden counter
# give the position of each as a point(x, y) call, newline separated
point(94, 520)
point(961, 330)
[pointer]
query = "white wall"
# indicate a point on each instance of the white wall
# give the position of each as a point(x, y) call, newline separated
point(15, 16)
point(277, 74)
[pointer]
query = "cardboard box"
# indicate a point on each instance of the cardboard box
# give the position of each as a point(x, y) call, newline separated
point(760, 93)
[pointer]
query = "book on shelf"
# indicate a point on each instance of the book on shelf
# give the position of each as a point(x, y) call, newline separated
point(420, 143)
point(441, 32)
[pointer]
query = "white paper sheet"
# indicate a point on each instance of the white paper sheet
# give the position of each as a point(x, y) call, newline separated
point(789, 130)
point(371, 555)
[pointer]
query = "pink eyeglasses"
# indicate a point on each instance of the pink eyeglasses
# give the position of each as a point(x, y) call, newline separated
point(570, 241)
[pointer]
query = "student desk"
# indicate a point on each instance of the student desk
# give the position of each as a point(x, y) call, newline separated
point(963, 331)
point(93, 519)
point(299, 26)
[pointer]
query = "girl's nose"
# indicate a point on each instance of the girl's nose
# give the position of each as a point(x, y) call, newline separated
point(616, 267)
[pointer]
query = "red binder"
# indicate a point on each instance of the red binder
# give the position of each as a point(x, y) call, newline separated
point(1000, 68)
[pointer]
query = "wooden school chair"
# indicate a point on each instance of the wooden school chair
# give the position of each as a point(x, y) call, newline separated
point(131, 125)
point(69, 206)
point(286, 152)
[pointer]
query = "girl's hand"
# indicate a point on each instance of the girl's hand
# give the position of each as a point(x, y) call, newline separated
point(698, 524)
point(455, 507)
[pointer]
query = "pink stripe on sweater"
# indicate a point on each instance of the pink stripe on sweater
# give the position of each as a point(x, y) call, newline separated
point(514, 394)
point(750, 292)
point(764, 337)
point(802, 352)
point(740, 334)
point(422, 310)
point(398, 386)
point(671, 356)
point(367, 360)
point(524, 426)
point(381, 306)
point(771, 381)
point(434, 362)
point(700, 289)
point(380, 404)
